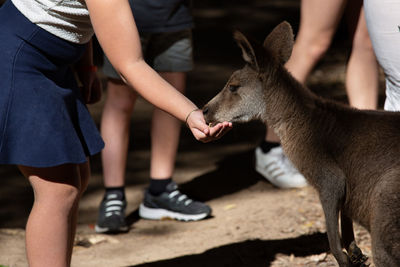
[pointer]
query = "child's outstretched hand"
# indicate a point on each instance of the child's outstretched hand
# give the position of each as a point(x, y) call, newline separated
point(201, 131)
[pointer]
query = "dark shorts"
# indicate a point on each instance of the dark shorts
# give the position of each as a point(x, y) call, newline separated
point(164, 52)
point(43, 119)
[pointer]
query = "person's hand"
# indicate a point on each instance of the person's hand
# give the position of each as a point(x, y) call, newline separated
point(201, 131)
point(90, 85)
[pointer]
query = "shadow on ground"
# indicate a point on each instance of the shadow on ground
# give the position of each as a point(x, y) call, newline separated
point(254, 253)
point(234, 173)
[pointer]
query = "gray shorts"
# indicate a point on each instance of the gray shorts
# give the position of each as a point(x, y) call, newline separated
point(164, 52)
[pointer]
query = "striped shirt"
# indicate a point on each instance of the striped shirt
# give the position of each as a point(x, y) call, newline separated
point(67, 19)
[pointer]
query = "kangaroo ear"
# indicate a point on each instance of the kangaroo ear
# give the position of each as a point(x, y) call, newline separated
point(280, 41)
point(248, 53)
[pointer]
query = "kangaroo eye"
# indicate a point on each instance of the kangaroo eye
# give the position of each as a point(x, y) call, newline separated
point(233, 88)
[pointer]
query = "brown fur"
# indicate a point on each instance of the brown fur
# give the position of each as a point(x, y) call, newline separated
point(351, 157)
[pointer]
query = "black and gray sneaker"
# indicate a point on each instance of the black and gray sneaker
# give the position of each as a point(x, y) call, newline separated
point(111, 215)
point(172, 204)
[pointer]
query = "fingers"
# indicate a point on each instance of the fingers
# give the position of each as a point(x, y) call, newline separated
point(195, 121)
point(220, 129)
point(200, 135)
point(214, 132)
point(223, 131)
point(202, 131)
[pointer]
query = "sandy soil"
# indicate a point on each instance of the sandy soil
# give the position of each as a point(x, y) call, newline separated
point(253, 223)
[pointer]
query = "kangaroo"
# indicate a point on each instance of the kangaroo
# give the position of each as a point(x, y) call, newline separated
point(351, 157)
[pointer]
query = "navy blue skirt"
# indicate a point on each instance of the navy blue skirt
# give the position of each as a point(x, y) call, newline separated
point(43, 119)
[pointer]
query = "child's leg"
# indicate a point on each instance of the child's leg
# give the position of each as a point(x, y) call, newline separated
point(115, 126)
point(165, 131)
point(84, 170)
point(50, 228)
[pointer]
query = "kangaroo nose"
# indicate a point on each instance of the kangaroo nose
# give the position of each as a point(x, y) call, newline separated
point(205, 110)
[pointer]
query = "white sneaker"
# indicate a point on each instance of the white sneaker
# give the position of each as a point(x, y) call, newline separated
point(277, 169)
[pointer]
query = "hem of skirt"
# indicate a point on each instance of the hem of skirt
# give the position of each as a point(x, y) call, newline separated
point(48, 164)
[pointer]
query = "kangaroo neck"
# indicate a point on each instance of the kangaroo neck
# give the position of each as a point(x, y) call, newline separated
point(287, 101)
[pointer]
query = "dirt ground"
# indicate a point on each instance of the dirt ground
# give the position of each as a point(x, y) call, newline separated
point(253, 223)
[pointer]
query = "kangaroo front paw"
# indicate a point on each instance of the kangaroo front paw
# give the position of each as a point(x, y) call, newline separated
point(357, 258)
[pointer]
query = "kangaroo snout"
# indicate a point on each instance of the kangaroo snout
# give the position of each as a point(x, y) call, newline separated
point(205, 110)
point(208, 116)
point(214, 113)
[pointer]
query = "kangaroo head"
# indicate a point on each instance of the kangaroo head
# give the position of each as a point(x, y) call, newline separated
point(243, 97)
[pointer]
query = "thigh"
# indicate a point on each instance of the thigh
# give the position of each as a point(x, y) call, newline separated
point(56, 182)
point(320, 18)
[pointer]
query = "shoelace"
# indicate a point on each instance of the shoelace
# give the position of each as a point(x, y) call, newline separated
point(180, 197)
point(113, 206)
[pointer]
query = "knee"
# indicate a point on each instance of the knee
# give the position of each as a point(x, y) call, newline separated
point(120, 97)
point(318, 48)
point(313, 45)
point(123, 103)
point(65, 198)
point(71, 194)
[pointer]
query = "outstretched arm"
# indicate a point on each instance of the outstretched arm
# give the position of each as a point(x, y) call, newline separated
point(116, 31)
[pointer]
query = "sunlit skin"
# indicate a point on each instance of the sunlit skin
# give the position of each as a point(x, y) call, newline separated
point(52, 222)
point(119, 33)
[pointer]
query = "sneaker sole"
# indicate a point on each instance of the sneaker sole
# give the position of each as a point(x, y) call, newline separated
point(104, 230)
point(161, 214)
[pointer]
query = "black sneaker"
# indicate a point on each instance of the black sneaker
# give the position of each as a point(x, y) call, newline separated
point(172, 204)
point(111, 215)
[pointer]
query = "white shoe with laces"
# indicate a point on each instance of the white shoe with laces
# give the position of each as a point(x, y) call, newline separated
point(277, 169)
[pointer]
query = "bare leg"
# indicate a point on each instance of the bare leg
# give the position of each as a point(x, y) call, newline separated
point(115, 130)
point(115, 124)
point(318, 23)
point(165, 139)
point(84, 171)
point(51, 225)
point(165, 133)
point(362, 76)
